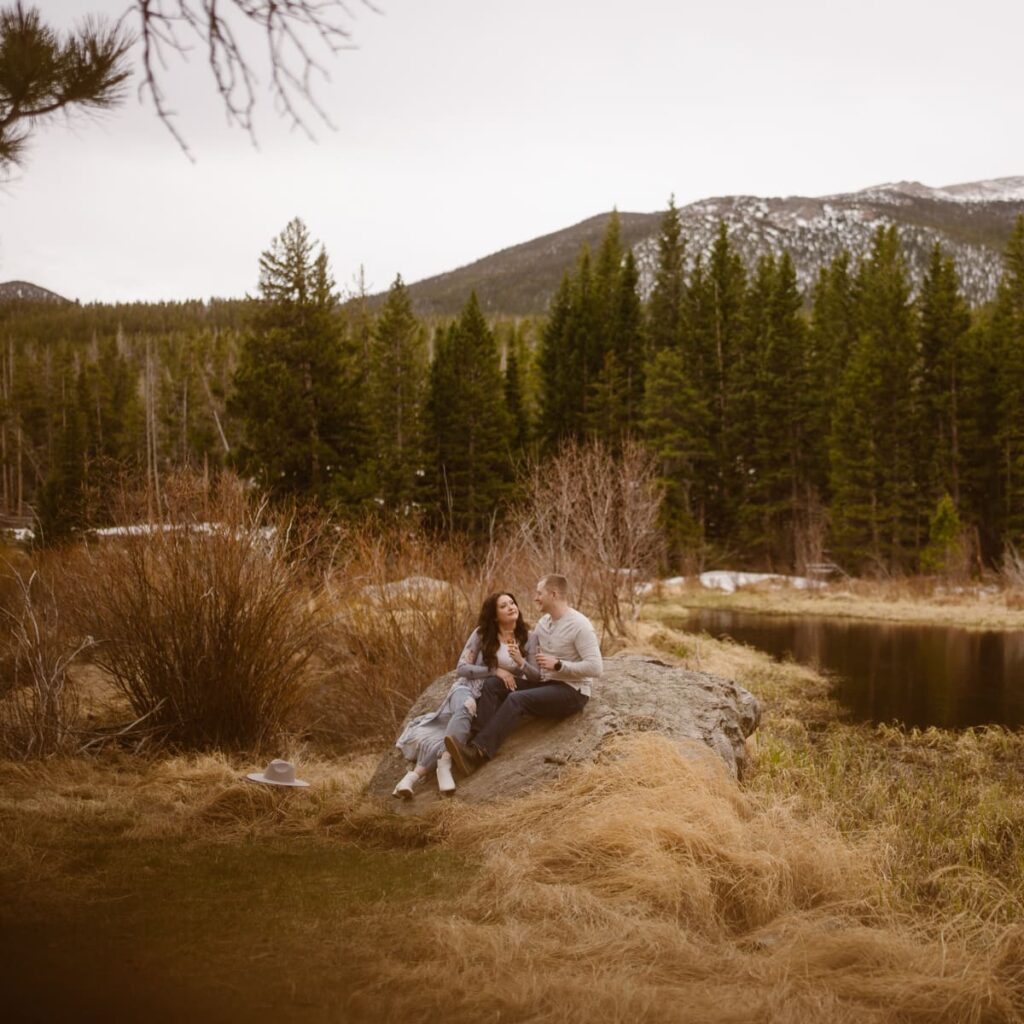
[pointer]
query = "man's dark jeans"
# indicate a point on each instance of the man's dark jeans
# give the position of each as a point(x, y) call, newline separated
point(500, 711)
point(492, 695)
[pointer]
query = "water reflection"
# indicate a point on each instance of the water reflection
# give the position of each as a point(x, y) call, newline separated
point(918, 675)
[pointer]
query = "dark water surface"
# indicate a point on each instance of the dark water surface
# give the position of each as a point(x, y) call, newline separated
point(884, 672)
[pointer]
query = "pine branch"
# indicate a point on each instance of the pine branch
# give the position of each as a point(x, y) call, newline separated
point(42, 74)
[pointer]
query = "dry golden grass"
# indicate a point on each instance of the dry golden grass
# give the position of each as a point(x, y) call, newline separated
point(910, 600)
point(648, 886)
point(858, 875)
point(205, 629)
point(400, 605)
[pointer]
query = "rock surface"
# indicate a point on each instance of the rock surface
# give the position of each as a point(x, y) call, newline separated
point(635, 694)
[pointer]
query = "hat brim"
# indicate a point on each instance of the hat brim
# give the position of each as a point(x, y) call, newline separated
point(260, 777)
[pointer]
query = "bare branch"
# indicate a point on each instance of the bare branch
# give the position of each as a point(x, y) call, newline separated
point(594, 516)
point(38, 716)
point(293, 30)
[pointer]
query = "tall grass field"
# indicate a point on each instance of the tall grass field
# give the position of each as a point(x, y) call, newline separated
point(856, 873)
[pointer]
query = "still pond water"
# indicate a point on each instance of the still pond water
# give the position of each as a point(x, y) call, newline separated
point(885, 672)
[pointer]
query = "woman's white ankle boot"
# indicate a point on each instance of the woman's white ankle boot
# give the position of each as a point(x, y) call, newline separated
point(405, 788)
point(445, 782)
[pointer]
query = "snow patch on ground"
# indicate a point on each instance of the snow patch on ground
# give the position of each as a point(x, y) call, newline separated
point(730, 581)
point(149, 529)
point(21, 535)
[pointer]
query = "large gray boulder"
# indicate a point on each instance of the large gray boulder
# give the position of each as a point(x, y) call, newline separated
point(634, 694)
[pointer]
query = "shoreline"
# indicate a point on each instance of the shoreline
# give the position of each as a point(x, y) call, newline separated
point(878, 603)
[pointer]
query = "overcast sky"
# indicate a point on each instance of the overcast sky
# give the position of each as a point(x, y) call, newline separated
point(465, 126)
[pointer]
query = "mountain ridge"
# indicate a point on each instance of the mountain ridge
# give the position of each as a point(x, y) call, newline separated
point(971, 220)
point(25, 291)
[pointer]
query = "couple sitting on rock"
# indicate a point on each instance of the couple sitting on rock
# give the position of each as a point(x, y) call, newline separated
point(505, 671)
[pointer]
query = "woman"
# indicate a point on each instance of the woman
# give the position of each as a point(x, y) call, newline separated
point(499, 646)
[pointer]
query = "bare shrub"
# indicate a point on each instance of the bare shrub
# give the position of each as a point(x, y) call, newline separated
point(39, 710)
point(203, 621)
point(1012, 570)
point(593, 516)
point(401, 603)
point(401, 606)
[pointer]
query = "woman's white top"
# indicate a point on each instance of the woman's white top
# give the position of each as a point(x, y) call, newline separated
point(505, 659)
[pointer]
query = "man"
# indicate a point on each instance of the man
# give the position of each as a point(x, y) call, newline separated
point(569, 658)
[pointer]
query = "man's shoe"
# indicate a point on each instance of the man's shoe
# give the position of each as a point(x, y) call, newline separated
point(404, 789)
point(445, 782)
point(466, 758)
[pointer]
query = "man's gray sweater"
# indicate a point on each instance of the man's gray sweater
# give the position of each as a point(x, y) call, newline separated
point(570, 639)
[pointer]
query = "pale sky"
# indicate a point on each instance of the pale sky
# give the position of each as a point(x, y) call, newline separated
point(466, 126)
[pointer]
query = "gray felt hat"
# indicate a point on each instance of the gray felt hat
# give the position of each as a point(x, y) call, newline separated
point(277, 773)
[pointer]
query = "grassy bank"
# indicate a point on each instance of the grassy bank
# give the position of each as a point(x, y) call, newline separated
point(857, 874)
point(918, 601)
point(945, 807)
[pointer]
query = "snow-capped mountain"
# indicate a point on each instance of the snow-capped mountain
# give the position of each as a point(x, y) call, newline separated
point(997, 190)
point(971, 221)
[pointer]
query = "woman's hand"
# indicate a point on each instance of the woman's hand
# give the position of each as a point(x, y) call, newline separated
point(506, 677)
point(515, 653)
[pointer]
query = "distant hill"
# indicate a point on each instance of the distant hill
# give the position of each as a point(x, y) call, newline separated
point(29, 293)
point(972, 221)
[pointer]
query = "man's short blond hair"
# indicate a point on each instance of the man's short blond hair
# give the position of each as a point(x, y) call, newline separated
point(557, 584)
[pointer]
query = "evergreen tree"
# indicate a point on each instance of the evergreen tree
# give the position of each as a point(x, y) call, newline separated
point(676, 419)
point(875, 509)
point(666, 308)
point(616, 406)
point(628, 343)
point(834, 316)
point(571, 357)
point(111, 423)
point(1007, 337)
point(396, 386)
point(606, 293)
point(944, 323)
point(584, 350)
point(775, 400)
point(717, 361)
point(470, 426)
point(62, 500)
point(514, 400)
point(944, 552)
point(979, 427)
point(595, 313)
point(831, 338)
point(296, 386)
point(556, 388)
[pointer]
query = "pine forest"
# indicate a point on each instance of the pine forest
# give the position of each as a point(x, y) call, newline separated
point(863, 424)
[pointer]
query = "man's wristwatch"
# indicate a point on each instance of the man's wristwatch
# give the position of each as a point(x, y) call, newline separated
point(558, 665)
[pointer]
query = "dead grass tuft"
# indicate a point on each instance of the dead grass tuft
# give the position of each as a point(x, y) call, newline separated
point(204, 628)
point(650, 887)
point(400, 605)
point(647, 886)
point(38, 701)
point(670, 832)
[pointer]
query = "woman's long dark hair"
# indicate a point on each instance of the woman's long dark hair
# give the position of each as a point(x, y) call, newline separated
point(488, 626)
